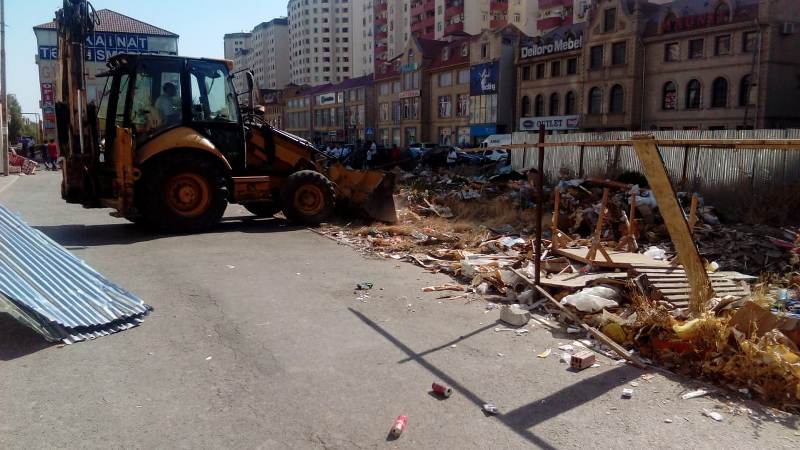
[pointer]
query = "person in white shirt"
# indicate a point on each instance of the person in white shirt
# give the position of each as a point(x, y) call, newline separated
point(168, 105)
point(452, 157)
point(371, 153)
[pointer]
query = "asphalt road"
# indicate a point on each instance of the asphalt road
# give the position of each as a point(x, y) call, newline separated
point(258, 341)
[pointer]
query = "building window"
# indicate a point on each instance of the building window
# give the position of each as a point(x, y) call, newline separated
point(526, 106)
point(484, 51)
point(693, 92)
point(445, 79)
point(572, 66)
point(749, 40)
point(463, 105)
point(609, 19)
point(618, 53)
point(539, 71)
point(745, 91)
point(595, 101)
point(554, 104)
point(526, 73)
point(670, 97)
point(722, 45)
point(617, 101)
point(569, 103)
point(463, 76)
point(555, 69)
point(696, 48)
point(596, 57)
point(723, 13)
point(672, 52)
point(719, 93)
point(538, 109)
point(445, 107)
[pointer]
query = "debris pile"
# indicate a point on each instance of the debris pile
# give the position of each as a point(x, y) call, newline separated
point(610, 266)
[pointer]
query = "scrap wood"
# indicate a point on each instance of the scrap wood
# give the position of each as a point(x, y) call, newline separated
point(618, 349)
point(444, 287)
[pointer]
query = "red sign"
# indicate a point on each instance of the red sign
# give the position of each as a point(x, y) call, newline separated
point(674, 24)
point(48, 95)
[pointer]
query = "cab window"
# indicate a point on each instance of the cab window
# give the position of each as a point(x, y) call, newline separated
point(157, 101)
point(213, 98)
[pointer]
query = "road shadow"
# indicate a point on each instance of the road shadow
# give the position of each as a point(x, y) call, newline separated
point(522, 419)
point(17, 340)
point(76, 236)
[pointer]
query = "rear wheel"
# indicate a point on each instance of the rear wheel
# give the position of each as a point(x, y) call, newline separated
point(263, 209)
point(308, 197)
point(184, 194)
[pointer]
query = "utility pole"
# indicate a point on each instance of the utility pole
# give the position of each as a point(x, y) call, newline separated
point(3, 93)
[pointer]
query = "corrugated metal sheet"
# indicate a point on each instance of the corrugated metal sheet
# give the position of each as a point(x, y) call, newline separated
point(48, 289)
point(722, 175)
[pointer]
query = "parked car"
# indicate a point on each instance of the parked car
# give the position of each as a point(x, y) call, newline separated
point(494, 155)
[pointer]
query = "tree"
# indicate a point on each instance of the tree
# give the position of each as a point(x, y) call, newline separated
point(17, 125)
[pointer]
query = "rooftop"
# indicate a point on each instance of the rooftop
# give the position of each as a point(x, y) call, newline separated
point(114, 22)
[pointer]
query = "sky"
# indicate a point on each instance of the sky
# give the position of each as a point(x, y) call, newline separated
point(200, 24)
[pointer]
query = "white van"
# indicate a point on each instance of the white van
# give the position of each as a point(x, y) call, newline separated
point(496, 140)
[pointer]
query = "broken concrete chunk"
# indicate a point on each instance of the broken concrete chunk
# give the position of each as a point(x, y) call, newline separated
point(515, 315)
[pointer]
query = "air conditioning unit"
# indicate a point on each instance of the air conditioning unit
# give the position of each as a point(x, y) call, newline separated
point(787, 28)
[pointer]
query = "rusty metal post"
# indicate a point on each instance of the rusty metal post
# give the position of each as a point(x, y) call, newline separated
point(580, 163)
point(539, 207)
point(684, 173)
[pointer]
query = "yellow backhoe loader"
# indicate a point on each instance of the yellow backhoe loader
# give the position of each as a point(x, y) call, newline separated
point(170, 146)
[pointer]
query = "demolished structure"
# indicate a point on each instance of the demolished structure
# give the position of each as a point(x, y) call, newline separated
point(618, 263)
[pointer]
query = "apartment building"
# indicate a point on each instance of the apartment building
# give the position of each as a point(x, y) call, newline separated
point(449, 75)
point(363, 38)
point(321, 41)
point(263, 51)
point(392, 29)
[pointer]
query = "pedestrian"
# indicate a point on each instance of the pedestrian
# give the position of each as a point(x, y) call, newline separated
point(371, 153)
point(452, 157)
point(52, 154)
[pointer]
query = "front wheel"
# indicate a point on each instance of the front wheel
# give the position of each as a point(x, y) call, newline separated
point(308, 197)
point(184, 194)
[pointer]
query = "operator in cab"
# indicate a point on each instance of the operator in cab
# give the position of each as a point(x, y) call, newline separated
point(168, 105)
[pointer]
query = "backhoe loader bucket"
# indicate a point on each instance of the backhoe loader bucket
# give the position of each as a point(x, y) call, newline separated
point(372, 191)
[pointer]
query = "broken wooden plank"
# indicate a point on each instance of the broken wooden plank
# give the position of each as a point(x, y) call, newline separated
point(620, 260)
point(578, 280)
point(661, 186)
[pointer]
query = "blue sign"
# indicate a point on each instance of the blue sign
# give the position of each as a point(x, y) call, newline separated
point(483, 130)
point(102, 46)
point(483, 79)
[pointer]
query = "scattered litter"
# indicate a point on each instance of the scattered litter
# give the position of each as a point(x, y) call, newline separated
point(695, 394)
point(442, 389)
point(230, 267)
point(667, 420)
point(582, 360)
point(490, 409)
point(567, 348)
point(444, 287)
point(208, 358)
point(634, 384)
point(573, 330)
point(545, 353)
point(365, 286)
point(627, 393)
point(648, 376)
point(398, 427)
point(713, 414)
point(566, 358)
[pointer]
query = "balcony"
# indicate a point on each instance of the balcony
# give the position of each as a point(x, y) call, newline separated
point(423, 7)
point(545, 4)
point(498, 23)
point(496, 6)
point(453, 28)
point(380, 21)
point(421, 25)
point(453, 11)
point(549, 23)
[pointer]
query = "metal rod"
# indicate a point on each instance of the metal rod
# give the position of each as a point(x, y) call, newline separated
point(539, 207)
point(3, 92)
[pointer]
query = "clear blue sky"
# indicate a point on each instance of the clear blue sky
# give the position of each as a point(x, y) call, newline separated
point(200, 24)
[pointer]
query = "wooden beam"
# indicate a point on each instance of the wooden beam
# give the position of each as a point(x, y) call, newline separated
point(675, 221)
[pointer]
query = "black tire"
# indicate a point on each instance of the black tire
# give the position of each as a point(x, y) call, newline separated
point(263, 209)
point(183, 193)
point(308, 197)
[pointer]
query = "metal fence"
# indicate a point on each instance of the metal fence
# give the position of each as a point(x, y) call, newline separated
point(725, 177)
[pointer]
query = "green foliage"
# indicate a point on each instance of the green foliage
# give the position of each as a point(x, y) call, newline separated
point(17, 125)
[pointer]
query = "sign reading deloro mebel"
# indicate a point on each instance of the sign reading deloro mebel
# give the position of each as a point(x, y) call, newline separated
point(531, 49)
point(102, 46)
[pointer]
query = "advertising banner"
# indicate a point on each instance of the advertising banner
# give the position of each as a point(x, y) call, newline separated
point(102, 46)
point(483, 79)
point(551, 123)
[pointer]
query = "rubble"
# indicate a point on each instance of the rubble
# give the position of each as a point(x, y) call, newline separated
point(618, 281)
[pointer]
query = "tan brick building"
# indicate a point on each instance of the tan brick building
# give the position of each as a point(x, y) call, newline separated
point(449, 99)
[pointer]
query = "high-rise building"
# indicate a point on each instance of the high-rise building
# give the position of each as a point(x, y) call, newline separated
point(363, 38)
point(392, 29)
point(321, 41)
point(264, 51)
point(437, 19)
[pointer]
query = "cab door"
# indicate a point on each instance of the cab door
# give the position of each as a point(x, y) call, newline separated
point(215, 111)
